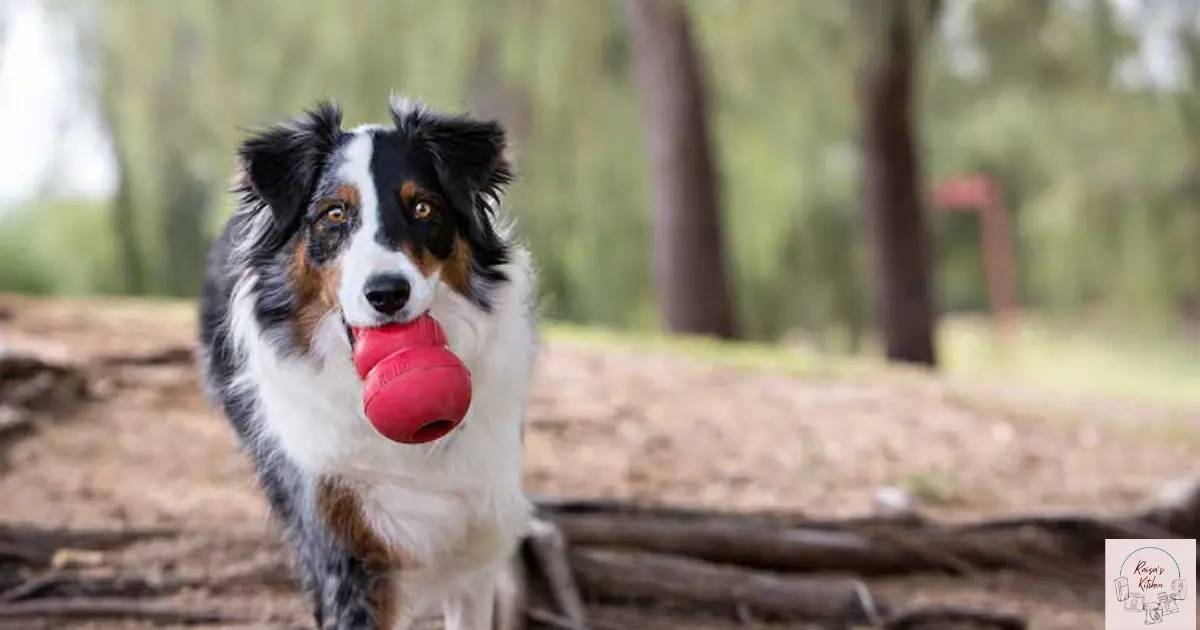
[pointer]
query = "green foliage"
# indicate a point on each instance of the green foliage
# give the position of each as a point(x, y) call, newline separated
point(1102, 179)
point(52, 249)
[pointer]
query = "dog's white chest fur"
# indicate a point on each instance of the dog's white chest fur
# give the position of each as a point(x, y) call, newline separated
point(455, 505)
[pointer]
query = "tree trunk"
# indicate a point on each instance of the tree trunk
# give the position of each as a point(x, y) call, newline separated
point(124, 222)
point(492, 95)
point(186, 206)
point(891, 184)
point(185, 192)
point(689, 254)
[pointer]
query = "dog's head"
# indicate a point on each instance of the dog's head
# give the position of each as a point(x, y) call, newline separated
point(373, 222)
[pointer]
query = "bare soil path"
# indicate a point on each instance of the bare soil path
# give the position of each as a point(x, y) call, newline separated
point(605, 422)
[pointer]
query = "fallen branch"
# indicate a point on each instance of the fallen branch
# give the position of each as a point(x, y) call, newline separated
point(566, 571)
point(930, 615)
point(29, 382)
point(1088, 532)
point(65, 583)
point(556, 506)
point(641, 577)
point(32, 587)
point(793, 549)
point(173, 355)
point(87, 608)
point(34, 546)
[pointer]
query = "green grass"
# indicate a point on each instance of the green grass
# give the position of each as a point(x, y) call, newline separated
point(749, 355)
point(1075, 357)
point(1066, 357)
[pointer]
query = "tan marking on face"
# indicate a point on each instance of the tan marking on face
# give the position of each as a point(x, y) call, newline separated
point(348, 194)
point(426, 262)
point(456, 272)
point(316, 294)
point(340, 508)
point(409, 192)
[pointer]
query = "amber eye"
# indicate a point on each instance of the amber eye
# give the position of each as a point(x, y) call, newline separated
point(422, 210)
point(336, 213)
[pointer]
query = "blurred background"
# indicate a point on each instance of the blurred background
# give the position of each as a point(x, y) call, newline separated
point(120, 119)
point(823, 192)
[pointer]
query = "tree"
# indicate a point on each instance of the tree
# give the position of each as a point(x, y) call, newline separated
point(688, 247)
point(896, 229)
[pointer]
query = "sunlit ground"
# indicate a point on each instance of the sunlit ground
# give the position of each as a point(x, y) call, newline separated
point(1164, 369)
point(1065, 357)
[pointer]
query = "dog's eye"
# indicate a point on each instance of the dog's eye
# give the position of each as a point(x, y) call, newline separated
point(336, 213)
point(422, 210)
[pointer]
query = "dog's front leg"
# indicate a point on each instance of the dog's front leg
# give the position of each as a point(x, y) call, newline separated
point(473, 606)
point(355, 575)
point(353, 595)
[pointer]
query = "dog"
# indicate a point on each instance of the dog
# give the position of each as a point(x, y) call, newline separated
point(337, 229)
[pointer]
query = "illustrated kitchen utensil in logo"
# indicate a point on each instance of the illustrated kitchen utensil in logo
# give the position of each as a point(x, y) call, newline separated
point(1150, 581)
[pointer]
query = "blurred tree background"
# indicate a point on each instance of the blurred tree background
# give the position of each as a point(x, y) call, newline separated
point(1100, 169)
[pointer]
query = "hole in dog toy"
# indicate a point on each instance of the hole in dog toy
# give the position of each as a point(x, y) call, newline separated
point(433, 431)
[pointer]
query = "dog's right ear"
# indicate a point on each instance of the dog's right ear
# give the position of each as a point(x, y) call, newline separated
point(280, 165)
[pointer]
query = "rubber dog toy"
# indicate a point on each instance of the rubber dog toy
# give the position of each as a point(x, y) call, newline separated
point(414, 389)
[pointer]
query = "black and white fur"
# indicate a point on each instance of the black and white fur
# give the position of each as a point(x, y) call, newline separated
point(449, 513)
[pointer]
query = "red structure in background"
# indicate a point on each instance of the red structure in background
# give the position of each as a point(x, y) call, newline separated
point(981, 194)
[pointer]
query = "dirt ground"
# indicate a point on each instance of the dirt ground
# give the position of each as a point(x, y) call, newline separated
point(618, 423)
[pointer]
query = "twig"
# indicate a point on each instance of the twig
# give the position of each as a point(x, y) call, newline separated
point(549, 549)
point(174, 355)
point(89, 608)
point(545, 617)
point(33, 586)
point(917, 617)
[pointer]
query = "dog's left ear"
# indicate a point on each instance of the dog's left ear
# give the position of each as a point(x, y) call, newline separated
point(469, 156)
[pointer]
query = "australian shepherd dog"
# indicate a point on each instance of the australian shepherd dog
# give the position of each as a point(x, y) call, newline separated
point(343, 228)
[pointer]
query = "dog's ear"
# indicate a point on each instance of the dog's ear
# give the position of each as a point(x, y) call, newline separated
point(470, 158)
point(280, 165)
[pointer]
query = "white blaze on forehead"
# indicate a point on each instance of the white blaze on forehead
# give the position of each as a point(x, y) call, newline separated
point(355, 169)
point(366, 257)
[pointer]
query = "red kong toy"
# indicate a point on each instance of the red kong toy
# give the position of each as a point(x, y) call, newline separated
point(414, 389)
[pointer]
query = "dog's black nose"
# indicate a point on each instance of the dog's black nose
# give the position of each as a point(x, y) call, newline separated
point(387, 294)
